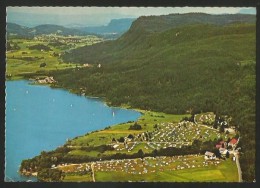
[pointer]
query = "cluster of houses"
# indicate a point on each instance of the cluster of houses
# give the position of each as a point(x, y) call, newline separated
point(47, 80)
point(222, 147)
point(54, 38)
point(67, 39)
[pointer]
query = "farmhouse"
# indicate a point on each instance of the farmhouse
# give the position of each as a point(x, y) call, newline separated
point(233, 142)
point(209, 155)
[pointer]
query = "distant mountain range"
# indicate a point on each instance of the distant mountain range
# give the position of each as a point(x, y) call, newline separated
point(15, 29)
point(113, 30)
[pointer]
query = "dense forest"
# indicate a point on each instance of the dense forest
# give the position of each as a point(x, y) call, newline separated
point(177, 64)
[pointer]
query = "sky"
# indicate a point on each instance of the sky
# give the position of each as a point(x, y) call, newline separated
point(96, 16)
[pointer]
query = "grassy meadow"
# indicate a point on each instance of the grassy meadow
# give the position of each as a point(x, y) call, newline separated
point(27, 61)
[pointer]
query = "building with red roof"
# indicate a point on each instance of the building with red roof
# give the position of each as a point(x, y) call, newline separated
point(233, 142)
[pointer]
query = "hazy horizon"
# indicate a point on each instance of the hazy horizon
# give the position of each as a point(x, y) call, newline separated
point(97, 16)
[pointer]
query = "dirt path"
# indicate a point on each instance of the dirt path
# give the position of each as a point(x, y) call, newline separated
point(93, 173)
point(238, 167)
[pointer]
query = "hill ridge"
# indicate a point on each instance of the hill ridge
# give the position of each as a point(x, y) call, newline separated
point(114, 29)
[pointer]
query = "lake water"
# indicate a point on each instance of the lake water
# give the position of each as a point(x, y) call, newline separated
point(40, 118)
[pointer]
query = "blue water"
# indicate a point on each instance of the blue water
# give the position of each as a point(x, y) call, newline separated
point(40, 118)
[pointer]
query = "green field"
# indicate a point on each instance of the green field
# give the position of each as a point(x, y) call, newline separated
point(24, 60)
point(76, 178)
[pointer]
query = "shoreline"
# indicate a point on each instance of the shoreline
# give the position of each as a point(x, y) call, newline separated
point(29, 174)
point(102, 99)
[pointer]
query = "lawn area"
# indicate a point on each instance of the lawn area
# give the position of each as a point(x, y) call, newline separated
point(78, 178)
point(96, 138)
point(151, 118)
point(27, 60)
point(84, 153)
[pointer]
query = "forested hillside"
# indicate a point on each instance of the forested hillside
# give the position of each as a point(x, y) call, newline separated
point(13, 29)
point(175, 66)
point(144, 27)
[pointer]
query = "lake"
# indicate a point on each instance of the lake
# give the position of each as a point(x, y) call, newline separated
point(41, 118)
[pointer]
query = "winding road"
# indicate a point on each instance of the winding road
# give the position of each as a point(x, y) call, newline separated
point(238, 166)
